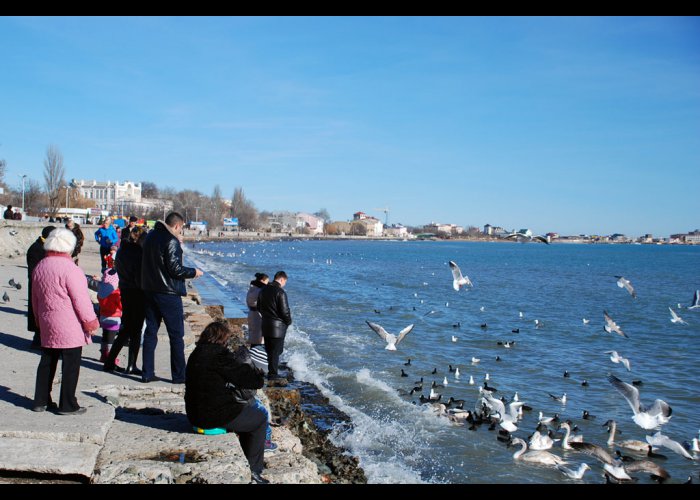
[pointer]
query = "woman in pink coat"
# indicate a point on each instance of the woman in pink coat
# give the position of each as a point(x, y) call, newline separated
point(66, 319)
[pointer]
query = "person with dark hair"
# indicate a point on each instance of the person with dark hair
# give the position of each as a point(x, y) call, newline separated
point(106, 236)
point(163, 278)
point(8, 214)
point(276, 318)
point(255, 338)
point(220, 393)
point(127, 230)
point(128, 266)
point(35, 253)
point(79, 236)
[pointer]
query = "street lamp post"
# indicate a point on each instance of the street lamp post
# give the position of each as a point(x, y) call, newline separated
point(23, 177)
point(196, 216)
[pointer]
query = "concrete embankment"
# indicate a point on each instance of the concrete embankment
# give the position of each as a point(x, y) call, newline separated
point(132, 432)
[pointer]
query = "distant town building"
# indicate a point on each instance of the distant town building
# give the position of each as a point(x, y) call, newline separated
point(373, 227)
point(309, 224)
point(396, 230)
point(693, 237)
point(359, 216)
point(119, 198)
point(619, 238)
point(437, 228)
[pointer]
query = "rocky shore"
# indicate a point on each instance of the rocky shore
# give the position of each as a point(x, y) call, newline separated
point(135, 432)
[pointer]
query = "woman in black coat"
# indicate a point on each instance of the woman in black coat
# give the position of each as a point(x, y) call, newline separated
point(128, 266)
point(219, 392)
point(35, 253)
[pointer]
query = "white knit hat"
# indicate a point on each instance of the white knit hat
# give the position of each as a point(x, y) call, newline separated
point(60, 240)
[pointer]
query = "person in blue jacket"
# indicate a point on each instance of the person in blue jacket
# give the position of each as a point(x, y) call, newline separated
point(106, 236)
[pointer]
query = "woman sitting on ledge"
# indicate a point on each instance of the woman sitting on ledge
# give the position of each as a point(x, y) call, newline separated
point(219, 392)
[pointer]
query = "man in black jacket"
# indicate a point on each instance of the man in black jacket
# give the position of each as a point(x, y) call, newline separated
point(274, 309)
point(163, 283)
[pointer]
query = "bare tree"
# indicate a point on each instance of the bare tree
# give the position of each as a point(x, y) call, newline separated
point(244, 210)
point(54, 180)
point(149, 189)
point(3, 168)
point(216, 208)
point(323, 214)
point(34, 197)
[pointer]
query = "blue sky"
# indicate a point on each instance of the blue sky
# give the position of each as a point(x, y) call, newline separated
point(572, 125)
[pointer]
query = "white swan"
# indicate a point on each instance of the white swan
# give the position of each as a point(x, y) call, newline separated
point(540, 440)
point(538, 457)
point(568, 437)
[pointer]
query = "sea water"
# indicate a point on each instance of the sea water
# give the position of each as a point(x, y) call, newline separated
point(334, 287)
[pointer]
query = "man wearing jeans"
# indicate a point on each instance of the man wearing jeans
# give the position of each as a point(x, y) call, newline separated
point(163, 281)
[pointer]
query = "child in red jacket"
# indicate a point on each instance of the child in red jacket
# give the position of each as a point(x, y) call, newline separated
point(109, 298)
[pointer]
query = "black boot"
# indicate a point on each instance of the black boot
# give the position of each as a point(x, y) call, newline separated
point(133, 357)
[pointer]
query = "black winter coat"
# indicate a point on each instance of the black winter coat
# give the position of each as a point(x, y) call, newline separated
point(274, 309)
point(213, 383)
point(35, 253)
point(161, 268)
point(128, 264)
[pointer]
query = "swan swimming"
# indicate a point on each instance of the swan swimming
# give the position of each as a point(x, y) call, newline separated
point(630, 444)
point(539, 456)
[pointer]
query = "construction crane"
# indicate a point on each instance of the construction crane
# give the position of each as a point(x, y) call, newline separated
point(386, 214)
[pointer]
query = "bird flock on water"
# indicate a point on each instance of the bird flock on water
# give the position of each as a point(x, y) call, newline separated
point(551, 434)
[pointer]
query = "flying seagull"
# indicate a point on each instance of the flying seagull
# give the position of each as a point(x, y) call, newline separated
point(390, 339)
point(616, 358)
point(458, 280)
point(659, 439)
point(696, 300)
point(611, 326)
point(623, 282)
point(657, 414)
point(525, 237)
point(675, 318)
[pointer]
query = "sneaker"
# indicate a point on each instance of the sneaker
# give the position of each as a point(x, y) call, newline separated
point(270, 447)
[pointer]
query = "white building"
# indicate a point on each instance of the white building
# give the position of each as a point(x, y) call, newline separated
point(396, 230)
point(309, 224)
point(119, 198)
point(373, 227)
